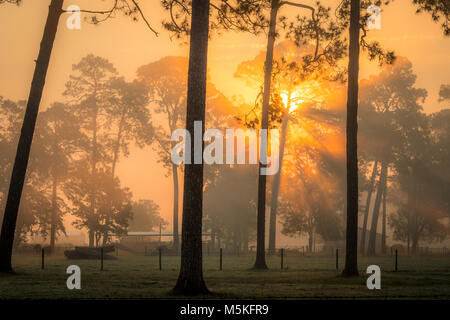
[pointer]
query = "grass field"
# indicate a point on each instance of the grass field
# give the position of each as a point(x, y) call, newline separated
point(303, 277)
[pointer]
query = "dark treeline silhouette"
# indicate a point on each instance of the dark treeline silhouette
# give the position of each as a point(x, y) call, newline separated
point(77, 146)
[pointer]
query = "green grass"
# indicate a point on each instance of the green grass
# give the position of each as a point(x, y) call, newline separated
point(308, 277)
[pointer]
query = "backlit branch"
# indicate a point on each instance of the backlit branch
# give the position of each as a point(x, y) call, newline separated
point(119, 5)
point(299, 5)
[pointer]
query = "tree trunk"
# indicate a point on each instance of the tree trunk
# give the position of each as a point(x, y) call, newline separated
point(117, 144)
point(260, 262)
point(92, 221)
point(190, 280)
point(91, 237)
point(383, 227)
point(351, 246)
point(213, 239)
point(362, 248)
point(245, 241)
point(26, 136)
point(113, 171)
point(276, 186)
point(53, 223)
point(415, 242)
point(176, 239)
point(310, 242)
point(235, 240)
point(413, 217)
point(371, 249)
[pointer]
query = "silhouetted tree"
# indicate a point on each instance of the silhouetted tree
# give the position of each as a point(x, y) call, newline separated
point(128, 107)
point(419, 216)
point(167, 80)
point(313, 208)
point(351, 10)
point(317, 28)
point(444, 93)
point(11, 116)
point(26, 136)
point(32, 215)
point(90, 85)
point(146, 216)
point(28, 126)
point(370, 189)
point(58, 132)
point(190, 280)
point(438, 9)
point(351, 251)
point(390, 108)
point(229, 16)
point(384, 218)
point(440, 122)
point(230, 199)
point(376, 210)
point(292, 69)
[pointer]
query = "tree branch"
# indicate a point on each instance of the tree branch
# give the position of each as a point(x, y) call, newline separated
point(313, 11)
point(115, 7)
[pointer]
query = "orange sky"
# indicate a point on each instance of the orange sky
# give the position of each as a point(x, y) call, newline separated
point(129, 45)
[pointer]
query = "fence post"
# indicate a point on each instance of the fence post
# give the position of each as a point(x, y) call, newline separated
point(43, 259)
point(101, 258)
point(145, 251)
point(220, 263)
point(282, 256)
point(337, 258)
point(160, 259)
point(396, 260)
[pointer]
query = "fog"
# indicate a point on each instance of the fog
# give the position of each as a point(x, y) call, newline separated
point(119, 168)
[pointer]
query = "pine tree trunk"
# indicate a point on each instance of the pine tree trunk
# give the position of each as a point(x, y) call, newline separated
point(91, 219)
point(415, 242)
point(414, 223)
point(310, 242)
point(362, 248)
point(190, 280)
point(91, 237)
point(351, 246)
point(371, 249)
point(117, 144)
point(260, 262)
point(26, 136)
point(113, 172)
point(213, 239)
point(176, 239)
point(276, 186)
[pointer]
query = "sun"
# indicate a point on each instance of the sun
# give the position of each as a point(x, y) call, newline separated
point(294, 100)
point(309, 92)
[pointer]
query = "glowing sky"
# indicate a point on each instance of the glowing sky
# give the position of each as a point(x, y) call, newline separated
point(129, 45)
